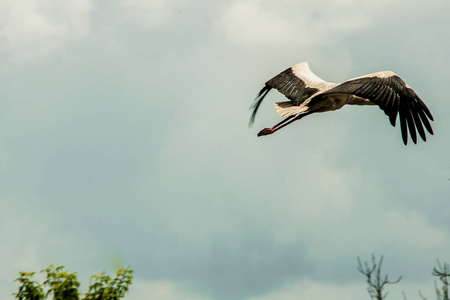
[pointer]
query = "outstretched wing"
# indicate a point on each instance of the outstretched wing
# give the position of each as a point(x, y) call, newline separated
point(393, 96)
point(297, 83)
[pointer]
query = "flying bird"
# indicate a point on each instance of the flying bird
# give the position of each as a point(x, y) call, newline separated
point(309, 94)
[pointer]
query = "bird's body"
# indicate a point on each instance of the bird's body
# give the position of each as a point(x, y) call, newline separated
point(309, 94)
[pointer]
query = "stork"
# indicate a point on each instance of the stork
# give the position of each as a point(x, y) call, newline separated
point(309, 94)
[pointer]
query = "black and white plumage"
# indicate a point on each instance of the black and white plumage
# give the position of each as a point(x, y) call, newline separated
point(309, 94)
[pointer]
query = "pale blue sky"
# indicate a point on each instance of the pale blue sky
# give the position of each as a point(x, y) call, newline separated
point(124, 140)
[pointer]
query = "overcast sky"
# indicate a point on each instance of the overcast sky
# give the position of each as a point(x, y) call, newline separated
point(124, 141)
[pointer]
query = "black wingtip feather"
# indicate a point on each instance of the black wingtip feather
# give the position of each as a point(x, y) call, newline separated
point(393, 118)
point(422, 104)
point(258, 100)
point(425, 121)
point(414, 111)
point(410, 121)
point(403, 126)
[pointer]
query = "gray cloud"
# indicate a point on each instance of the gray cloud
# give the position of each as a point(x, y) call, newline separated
point(31, 29)
point(135, 141)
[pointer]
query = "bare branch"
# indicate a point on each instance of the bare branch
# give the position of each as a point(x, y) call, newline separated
point(374, 281)
point(443, 272)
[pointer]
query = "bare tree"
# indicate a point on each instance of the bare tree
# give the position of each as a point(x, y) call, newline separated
point(374, 280)
point(443, 272)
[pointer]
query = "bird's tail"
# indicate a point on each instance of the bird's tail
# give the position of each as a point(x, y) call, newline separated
point(286, 109)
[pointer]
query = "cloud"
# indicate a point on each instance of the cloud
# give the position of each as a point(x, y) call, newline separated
point(254, 23)
point(414, 231)
point(30, 242)
point(150, 14)
point(307, 289)
point(316, 198)
point(161, 290)
point(144, 148)
point(30, 28)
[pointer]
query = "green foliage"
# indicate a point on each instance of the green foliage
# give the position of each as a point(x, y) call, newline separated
point(105, 288)
point(29, 289)
point(62, 285)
